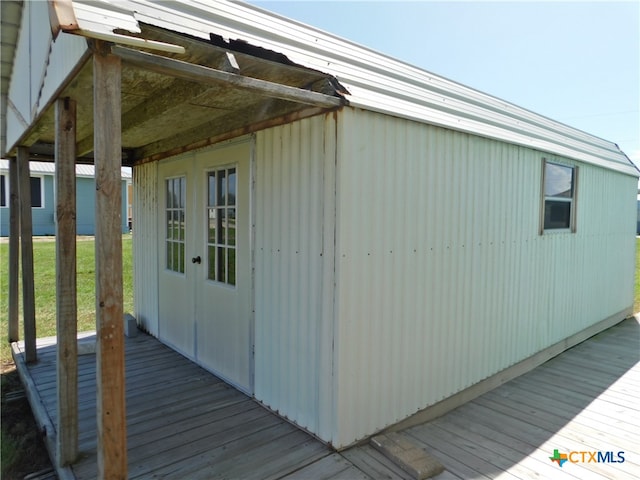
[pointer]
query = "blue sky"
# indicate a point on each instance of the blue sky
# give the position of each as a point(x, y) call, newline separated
point(575, 62)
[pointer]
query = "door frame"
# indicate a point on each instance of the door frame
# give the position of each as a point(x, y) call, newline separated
point(197, 183)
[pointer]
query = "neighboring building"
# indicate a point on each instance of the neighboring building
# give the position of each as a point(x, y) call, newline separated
point(638, 223)
point(345, 237)
point(43, 198)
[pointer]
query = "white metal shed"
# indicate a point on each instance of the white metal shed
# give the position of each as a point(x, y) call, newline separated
point(347, 238)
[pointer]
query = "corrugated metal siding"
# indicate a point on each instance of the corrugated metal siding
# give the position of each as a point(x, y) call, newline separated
point(145, 245)
point(294, 233)
point(443, 278)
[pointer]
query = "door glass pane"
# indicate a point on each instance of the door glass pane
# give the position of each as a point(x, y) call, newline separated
point(211, 190)
point(175, 218)
point(231, 266)
point(181, 257)
point(232, 187)
point(211, 254)
point(222, 188)
point(220, 260)
point(221, 226)
point(212, 225)
point(169, 256)
point(231, 227)
point(181, 224)
point(183, 192)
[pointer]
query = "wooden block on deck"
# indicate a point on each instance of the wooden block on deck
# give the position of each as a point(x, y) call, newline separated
point(408, 456)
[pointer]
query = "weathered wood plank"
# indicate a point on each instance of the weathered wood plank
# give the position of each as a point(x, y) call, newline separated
point(207, 75)
point(189, 453)
point(479, 467)
point(14, 252)
point(111, 408)
point(537, 431)
point(503, 455)
point(66, 293)
point(26, 250)
point(270, 460)
point(330, 467)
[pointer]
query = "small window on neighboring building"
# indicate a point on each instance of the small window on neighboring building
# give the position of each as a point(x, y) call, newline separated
point(37, 192)
point(559, 193)
point(221, 220)
point(3, 191)
point(175, 215)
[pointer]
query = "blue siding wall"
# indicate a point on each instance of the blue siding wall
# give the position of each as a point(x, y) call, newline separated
point(43, 218)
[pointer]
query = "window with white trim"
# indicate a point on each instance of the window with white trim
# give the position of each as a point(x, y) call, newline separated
point(37, 192)
point(559, 196)
point(221, 225)
point(175, 215)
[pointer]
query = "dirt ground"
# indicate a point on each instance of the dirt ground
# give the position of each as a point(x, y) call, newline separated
point(23, 450)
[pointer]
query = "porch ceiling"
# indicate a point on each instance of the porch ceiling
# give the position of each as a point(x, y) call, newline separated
point(163, 115)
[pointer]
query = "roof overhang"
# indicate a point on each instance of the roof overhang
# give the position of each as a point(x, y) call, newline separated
point(181, 92)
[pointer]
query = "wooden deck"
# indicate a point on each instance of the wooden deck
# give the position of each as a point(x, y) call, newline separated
point(184, 422)
point(586, 399)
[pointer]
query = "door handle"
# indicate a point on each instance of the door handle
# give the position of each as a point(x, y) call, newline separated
point(197, 260)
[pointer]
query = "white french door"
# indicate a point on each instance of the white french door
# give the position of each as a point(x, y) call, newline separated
point(205, 289)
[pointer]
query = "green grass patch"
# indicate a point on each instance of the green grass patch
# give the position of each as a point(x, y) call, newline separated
point(44, 261)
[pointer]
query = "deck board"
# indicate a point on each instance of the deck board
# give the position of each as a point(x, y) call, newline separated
point(183, 422)
point(586, 399)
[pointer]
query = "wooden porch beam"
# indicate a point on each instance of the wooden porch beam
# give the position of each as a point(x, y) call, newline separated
point(111, 408)
point(207, 75)
point(14, 252)
point(26, 249)
point(66, 293)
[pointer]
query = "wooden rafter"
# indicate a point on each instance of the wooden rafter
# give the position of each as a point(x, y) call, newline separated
point(202, 74)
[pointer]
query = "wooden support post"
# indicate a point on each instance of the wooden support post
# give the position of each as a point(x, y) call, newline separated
point(66, 294)
point(26, 248)
point(112, 434)
point(14, 251)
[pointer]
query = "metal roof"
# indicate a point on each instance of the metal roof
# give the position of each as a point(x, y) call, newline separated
point(49, 168)
point(374, 81)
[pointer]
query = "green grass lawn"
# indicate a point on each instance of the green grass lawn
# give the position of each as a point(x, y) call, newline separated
point(44, 260)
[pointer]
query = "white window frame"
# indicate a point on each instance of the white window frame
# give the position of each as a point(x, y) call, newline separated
point(169, 242)
point(572, 201)
point(225, 245)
